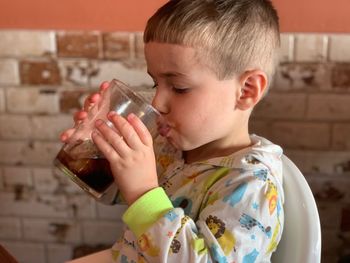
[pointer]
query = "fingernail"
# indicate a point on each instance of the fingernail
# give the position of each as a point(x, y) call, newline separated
point(63, 137)
point(131, 116)
point(104, 85)
point(111, 113)
point(99, 122)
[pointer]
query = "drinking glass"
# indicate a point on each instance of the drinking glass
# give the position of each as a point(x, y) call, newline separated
point(81, 160)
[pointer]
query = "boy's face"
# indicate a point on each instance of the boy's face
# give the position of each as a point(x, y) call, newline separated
point(198, 109)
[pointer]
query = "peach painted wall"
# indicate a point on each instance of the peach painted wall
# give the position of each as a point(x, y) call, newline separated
point(131, 15)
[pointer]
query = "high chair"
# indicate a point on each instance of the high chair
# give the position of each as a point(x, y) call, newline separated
point(301, 238)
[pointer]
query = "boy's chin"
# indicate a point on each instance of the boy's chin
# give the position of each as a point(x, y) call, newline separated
point(176, 144)
point(180, 144)
point(182, 147)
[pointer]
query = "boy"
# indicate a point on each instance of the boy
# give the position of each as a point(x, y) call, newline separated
point(214, 193)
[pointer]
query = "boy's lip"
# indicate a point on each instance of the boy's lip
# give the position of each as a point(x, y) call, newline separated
point(163, 129)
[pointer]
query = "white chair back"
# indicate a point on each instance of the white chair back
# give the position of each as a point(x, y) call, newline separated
point(301, 238)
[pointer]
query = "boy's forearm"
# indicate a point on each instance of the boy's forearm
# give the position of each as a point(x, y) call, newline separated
point(131, 195)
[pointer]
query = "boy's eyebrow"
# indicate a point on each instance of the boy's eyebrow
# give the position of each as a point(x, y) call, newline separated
point(169, 74)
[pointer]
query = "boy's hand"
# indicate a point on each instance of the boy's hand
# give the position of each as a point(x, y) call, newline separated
point(128, 147)
point(79, 116)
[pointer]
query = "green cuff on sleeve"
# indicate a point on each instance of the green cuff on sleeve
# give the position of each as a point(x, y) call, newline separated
point(146, 210)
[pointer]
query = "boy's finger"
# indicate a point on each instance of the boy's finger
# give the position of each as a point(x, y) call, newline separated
point(105, 147)
point(140, 129)
point(125, 129)
point(79, 115)
point(104, 85)
point(113, 137)
point(91, 100)
point(66, 135)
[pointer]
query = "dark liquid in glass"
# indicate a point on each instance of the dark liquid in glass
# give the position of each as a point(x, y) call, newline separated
point(95, 172)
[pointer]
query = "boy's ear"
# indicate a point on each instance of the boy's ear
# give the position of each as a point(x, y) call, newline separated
point(253, 84)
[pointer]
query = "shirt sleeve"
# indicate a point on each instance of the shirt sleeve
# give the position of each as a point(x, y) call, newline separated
point(240, 220)
point(152, 205)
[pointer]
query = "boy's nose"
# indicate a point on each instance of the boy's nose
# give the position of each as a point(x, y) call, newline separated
point(160, 102)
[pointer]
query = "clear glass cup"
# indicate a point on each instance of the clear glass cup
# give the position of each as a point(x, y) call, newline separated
point(80, 159)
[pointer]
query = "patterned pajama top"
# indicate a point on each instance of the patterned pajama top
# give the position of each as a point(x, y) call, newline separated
point(226, 209)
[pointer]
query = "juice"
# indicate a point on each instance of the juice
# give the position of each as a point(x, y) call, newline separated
point(94, 172)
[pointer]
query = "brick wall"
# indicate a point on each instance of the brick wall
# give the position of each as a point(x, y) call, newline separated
point(45, 76)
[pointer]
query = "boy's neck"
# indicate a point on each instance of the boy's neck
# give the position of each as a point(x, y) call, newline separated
point(216, 149)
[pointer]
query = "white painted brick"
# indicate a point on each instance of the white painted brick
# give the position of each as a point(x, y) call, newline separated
point(66, 183)
point(293, 134)
point(302, 76)
point(311, 47)
point(59, 253)
point(340, 48)
point(325, 162)
point(10, 228)
point(44, 180)
point(286, 52)
point(21, 43)
point(133, 75)
point(82, 206)
point(330, 256)
point(51, 230)
point(119, 45)
point(17, 175)
point(299, 135)
point(101, 232)
point(331, 247)
point(339, 184)
point(32, 100)
point(70, 186)
point(31, 204)
point(330, 214)
point(114, 212)
point(41, 153)
point(261, 127)
point(77, 72)
point(79, 204)
point(11, 151)
point(329, 107)
point(17, 127)
point(50, 127)
point(26, 252)
point(281, 106)
point(341, 139)
point(38, 153)
point(2, 100)
point(9, 74)
point(139, 45)
point(1, 179)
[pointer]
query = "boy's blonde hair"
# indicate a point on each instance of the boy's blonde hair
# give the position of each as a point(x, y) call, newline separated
point(231, 35)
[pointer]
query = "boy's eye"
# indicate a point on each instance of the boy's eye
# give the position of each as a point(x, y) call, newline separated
point(155, 85)
point(180, 90)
